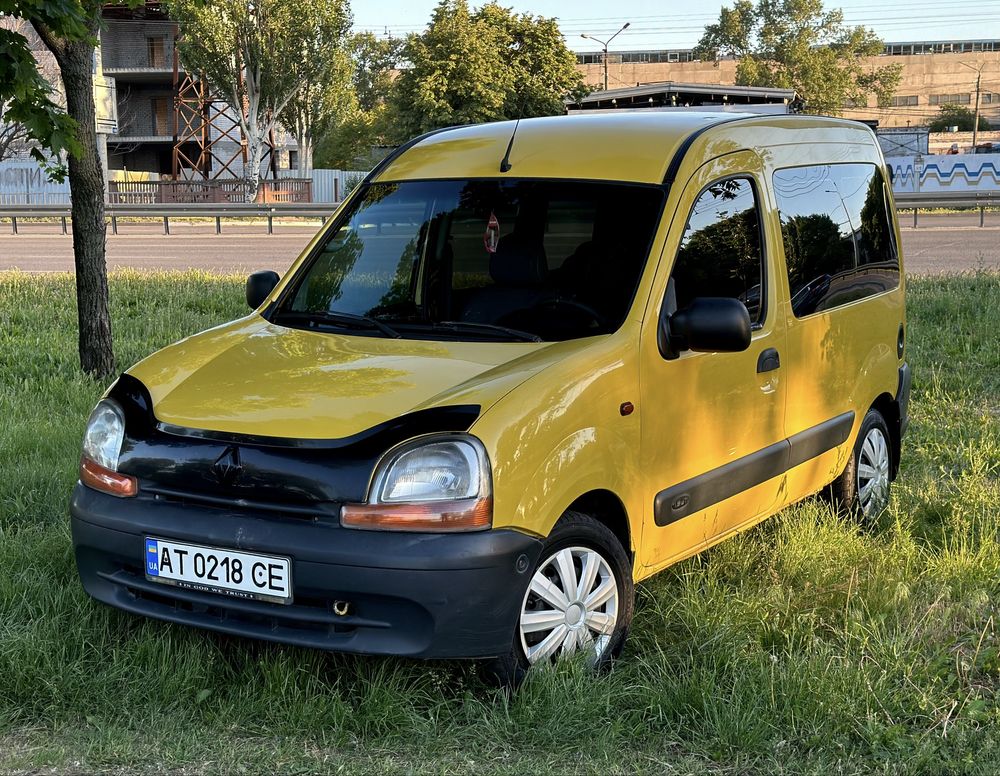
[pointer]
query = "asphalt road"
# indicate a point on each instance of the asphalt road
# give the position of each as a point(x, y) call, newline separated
point(940, 243)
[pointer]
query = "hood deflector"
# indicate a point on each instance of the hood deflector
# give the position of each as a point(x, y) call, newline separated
point(290, 476)
point(138, 408)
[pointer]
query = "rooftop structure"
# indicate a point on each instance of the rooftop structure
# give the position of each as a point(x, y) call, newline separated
point(674, 94)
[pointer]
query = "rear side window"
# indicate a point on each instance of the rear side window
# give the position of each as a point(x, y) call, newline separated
point(837, 235)
point(720, 253)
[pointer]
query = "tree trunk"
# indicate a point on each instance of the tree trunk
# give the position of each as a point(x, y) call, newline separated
point(255, 155)
point(86, 181)
point(304, 142)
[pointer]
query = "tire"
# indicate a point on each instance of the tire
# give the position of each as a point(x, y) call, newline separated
point(577, 543)
point(862, 490)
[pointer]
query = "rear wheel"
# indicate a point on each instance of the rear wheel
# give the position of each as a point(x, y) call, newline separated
point(579, 602)
point(863, 487)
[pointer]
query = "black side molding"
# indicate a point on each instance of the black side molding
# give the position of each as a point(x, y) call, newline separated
point(817, 440)
point(751, 470)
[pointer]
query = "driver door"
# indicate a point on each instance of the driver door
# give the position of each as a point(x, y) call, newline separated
point(713, 423)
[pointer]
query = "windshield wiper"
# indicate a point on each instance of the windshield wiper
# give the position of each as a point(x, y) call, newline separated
point(337, 318)
point(486, 328)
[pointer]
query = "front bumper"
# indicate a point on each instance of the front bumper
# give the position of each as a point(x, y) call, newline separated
point(411, 594)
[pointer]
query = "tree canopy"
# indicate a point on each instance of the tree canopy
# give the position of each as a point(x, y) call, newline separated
point(470, 67)
point(347, 139)
point(375, 60)
point(797, 44)
point(957, 116)
point(26, 96)
point(259, 54)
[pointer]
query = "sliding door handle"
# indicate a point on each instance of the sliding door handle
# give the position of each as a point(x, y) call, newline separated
point(768, 361)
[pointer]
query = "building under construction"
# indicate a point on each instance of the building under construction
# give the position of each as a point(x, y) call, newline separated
point(169, 124)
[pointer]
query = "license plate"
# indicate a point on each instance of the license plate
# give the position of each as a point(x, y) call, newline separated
point(228, 572)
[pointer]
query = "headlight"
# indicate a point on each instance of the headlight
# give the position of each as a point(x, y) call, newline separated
point(436, 483)
point(102, 444)
point(102, 441)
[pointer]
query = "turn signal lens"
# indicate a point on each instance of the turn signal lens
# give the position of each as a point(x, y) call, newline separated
point(95, 476)
point(472, 514)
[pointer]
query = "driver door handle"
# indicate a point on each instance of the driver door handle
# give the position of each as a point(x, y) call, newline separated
point(768, 361)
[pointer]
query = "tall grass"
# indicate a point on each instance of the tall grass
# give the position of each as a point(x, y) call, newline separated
point(809, 644)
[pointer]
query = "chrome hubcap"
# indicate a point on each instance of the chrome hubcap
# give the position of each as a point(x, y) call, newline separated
point(571, 603)
point(873, 472)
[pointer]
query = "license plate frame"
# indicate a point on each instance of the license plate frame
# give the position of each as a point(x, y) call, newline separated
point(187, 576)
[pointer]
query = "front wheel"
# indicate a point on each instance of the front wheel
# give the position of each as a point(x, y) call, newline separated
point(579, 601)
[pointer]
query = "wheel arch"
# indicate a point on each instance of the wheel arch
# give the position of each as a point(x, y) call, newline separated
point(888, 408)
point(607, 508)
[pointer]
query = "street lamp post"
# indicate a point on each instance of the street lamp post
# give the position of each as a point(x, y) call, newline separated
point(605, 44)
point(975, 120)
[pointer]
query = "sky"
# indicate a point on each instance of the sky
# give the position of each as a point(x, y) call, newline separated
point(679, 23)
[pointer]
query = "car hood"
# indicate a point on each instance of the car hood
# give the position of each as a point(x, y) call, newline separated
point(254, 377)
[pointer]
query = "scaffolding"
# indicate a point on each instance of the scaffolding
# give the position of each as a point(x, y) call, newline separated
point(208, 137)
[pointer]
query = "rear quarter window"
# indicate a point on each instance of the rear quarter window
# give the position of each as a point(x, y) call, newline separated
point(837, 234)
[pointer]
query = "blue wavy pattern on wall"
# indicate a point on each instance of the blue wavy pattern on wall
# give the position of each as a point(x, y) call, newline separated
point(972, 176)
point(982, 174)
point(902, 175)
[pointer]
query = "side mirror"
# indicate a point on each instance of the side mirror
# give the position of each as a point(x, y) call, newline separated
point(709, 324)
point(259, 285)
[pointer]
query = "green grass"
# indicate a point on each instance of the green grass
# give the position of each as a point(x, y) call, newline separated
point(808, 644)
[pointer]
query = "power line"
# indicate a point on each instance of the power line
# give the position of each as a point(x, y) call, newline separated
point(903, 7)
point(850, 17)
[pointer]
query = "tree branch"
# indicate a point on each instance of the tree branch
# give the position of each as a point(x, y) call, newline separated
point(53, 42)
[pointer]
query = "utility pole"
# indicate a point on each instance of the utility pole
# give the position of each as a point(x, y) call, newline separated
point(975, 120)
point(605, 44)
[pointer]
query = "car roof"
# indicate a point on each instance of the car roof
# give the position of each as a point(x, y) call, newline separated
point(632, 146)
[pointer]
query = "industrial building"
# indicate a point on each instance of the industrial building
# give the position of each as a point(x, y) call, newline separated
point(934, 73)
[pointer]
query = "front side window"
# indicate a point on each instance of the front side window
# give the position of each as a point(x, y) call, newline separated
point(721, 252)
point(548, 260)
point(837, 234)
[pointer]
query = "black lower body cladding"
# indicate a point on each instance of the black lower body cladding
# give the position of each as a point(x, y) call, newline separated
point(903, 397)
point(410, 594)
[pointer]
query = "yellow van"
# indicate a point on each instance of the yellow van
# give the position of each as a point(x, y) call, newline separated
point(523, 367)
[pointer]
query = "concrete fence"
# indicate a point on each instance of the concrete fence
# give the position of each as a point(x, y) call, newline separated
point(23, 182)
point(945, 173)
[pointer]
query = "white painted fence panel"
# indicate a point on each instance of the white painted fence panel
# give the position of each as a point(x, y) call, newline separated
point(23, 182)
point(934, 173)
point(334, 185)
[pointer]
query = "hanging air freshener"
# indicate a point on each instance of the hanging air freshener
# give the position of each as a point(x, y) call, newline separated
point(492, 234)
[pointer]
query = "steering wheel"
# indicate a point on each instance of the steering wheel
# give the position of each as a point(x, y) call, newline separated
point(582, 307)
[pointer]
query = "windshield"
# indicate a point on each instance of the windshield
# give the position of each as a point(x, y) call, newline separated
point(508, 260)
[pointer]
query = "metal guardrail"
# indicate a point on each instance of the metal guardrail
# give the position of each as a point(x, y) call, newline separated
point(218, 211)
point(323, 210)
point(947, 199)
